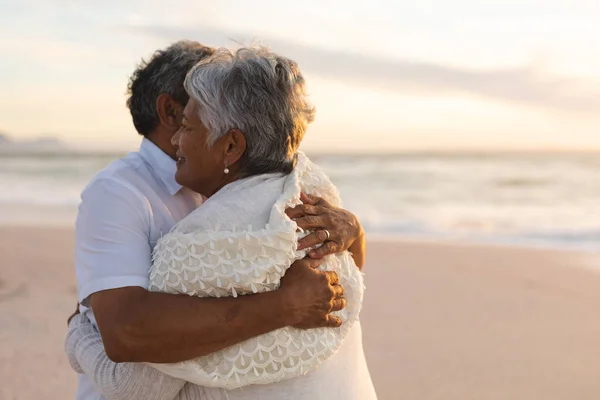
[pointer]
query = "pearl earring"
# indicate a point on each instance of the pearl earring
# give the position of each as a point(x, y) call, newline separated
point(226, 169)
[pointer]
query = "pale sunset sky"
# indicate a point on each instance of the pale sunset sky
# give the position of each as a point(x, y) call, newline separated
point(384, 75)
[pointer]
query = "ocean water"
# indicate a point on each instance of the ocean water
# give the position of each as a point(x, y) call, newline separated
point(526, 199)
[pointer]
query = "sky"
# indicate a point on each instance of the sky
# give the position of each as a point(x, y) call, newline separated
point(384, 75)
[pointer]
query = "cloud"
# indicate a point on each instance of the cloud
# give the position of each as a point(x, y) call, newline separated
point(525, 85)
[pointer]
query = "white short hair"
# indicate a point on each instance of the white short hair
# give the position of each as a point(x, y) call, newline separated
point(258, 92)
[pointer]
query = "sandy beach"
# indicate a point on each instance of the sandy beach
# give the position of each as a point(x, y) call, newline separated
point(441, 320)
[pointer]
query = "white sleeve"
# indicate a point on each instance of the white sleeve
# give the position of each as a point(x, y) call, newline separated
point(111, 238)
point(120, 381)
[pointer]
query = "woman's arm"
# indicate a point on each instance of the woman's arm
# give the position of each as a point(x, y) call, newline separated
point(123, 381)
point(358, 249)
point(319, 216)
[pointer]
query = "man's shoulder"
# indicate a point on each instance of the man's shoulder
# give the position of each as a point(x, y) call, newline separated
point(123, 173)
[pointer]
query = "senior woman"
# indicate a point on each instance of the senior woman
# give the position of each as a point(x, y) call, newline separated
point(238, 144)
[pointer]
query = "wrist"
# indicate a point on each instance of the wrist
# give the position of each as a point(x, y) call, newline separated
point(285, 309)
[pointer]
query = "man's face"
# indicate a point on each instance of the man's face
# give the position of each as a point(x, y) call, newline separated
point(171, 149)
point(170, 115)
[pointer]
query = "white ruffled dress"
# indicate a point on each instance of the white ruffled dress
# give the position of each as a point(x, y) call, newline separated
point(240, 242)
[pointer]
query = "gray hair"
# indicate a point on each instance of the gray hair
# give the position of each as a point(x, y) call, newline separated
point(258, 92)
point(163, 73)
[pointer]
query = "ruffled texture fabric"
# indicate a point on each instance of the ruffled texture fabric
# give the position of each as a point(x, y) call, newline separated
point(225, 248)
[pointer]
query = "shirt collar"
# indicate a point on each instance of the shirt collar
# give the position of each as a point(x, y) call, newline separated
point(163, 166)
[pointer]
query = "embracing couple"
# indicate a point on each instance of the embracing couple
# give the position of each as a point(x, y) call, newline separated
point(216, 262)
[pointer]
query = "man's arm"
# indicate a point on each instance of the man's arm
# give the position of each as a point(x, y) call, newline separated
point(142, 326)
point(113, 257)
point(138, 381)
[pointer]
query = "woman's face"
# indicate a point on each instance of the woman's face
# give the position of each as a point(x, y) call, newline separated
point(199, 167)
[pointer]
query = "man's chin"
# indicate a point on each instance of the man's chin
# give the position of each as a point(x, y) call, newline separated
point(180, 178)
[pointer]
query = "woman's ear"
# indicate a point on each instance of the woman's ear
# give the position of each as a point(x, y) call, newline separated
point(169, 112)
point(235, 146)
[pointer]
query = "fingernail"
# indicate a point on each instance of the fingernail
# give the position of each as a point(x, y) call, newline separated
point(313, 254)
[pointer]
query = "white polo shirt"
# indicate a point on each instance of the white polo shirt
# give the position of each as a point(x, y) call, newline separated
point(124, 210)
